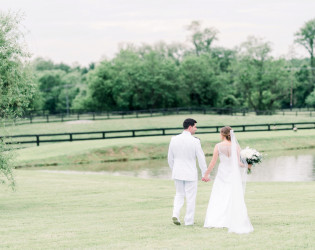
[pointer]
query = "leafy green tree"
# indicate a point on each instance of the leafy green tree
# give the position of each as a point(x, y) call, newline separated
point(306, 37)
point(51, 84)
point(202, 39)
point(40, 64)
point(310, 100)
point(100, 88)
point(200, 80)
point(137, 78)
point(57, 85)
point(69, 90)
point(156, 76)
point(261, 81)
point(16, 87)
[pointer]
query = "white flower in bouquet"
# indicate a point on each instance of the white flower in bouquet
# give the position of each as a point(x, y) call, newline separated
point(251, 156)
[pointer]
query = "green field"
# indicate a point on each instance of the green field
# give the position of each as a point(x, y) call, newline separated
point(90, 210)
point(95, 211)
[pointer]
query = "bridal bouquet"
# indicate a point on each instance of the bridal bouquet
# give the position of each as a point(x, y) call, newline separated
point(251, 156)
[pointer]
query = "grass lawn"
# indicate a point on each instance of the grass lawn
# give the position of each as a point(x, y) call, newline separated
point(94, 211)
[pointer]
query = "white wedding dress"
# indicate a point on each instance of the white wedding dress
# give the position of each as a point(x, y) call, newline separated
point(227, 207)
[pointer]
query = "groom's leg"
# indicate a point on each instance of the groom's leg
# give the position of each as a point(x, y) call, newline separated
point(191, 192)
point(179, 197)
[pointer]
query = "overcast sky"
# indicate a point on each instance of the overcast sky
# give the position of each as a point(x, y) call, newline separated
point(86, 31)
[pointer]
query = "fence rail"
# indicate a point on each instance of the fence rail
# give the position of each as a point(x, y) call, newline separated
point(44, 117)
point(113, 134)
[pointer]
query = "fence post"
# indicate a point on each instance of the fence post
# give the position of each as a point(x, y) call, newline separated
point(61, 117)
point(296, 113)
point(47, 118)
point(133, 133)
point(151, 112)
point(93, 116)
point(107, 114)
point(204, 111)
point(70, 137)
point(243, 128)
point(311, 114)
point(268, 127)
point(78, 116)
point(163, 131)
point(37, 140)
point(137, 114)
point(103, 135)
point(31, 118)
point(217, 129)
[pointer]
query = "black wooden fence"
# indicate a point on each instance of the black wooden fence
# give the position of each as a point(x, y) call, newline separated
point(113, 134)
point(42, 116)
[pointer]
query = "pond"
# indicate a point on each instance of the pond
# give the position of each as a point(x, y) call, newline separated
point(291, 166)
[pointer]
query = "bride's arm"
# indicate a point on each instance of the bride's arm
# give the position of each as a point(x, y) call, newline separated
point(213, 161)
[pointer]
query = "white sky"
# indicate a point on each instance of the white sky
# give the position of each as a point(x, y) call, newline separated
point(86, 31)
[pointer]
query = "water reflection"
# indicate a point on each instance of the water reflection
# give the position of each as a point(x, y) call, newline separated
point(300, 167)
point(285, 168)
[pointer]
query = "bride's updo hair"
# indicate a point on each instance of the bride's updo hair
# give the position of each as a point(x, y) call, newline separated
point(225, 131)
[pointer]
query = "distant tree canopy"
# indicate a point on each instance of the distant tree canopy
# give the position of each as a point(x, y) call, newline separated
point(193, 74)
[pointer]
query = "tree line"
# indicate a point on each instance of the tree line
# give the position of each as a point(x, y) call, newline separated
point(194, 74)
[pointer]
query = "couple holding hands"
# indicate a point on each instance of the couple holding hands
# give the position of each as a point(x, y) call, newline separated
point(227, 208)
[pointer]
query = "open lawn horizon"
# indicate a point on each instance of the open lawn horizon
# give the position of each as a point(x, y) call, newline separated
point(97, 211)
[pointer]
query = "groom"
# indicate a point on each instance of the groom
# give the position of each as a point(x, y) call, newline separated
point(183, 151)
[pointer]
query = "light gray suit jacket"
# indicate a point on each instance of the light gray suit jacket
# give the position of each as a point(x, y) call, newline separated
point(183, 151)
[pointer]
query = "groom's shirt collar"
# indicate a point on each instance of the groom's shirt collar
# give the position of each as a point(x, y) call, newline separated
point(186, 132)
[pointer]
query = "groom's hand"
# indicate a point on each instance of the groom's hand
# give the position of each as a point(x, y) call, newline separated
point(205, 179)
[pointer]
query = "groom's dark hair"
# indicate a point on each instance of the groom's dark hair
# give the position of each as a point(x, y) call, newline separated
point(188, 122)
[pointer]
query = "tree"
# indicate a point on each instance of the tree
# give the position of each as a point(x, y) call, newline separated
point(100, 85)
point(261, 81)
point(200, 80)
point(201, 39)
point(310, 100)
point(16, 87)
point(50, 85)
point(57, 85)
point(306, 37)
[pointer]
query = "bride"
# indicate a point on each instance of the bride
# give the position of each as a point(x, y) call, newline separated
point(227, 207)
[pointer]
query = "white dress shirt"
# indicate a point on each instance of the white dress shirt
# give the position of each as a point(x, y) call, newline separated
point(183, 151)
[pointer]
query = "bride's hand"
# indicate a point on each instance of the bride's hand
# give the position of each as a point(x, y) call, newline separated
point(205, 179)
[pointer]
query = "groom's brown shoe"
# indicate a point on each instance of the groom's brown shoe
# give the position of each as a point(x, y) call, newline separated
point(176, 221)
